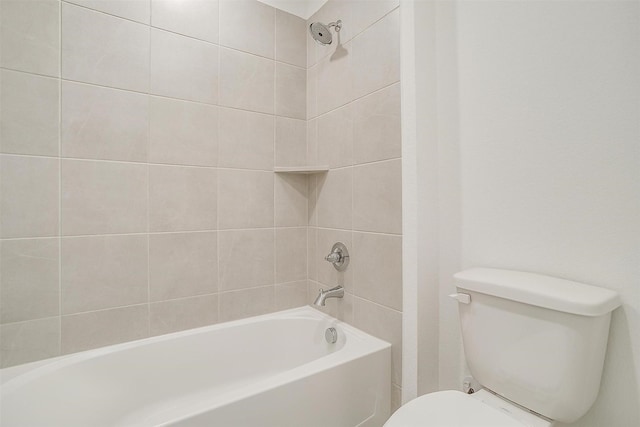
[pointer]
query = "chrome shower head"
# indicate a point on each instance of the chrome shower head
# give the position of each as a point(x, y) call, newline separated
point(321, 32)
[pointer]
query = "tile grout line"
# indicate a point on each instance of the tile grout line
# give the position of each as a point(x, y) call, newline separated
point(60, 23)
point(149, 179)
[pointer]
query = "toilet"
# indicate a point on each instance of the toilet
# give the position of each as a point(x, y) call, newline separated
point(536, 344)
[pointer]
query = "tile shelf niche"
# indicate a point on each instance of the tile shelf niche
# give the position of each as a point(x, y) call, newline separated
point(302, 170)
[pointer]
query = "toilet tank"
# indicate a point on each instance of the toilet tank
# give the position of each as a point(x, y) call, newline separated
point(536, 340)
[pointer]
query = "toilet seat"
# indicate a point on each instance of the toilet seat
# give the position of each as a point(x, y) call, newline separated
point(456, 409)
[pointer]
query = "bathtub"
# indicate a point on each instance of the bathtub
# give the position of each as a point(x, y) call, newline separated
point(273, 370)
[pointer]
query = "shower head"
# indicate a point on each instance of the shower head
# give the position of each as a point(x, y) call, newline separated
point(321, 32)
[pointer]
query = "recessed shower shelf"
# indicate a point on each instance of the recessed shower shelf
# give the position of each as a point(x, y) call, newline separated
point(303, 170)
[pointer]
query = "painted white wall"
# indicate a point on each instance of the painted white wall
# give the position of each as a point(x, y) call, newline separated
point(539, 163)
point(302, 8)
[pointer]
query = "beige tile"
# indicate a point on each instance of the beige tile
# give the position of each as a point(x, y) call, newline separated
point(29, 36)
point(312, 92)
point(245, 199)
point(312, 253)
point(106, 327)
point(182, 265)
point(366, 12)
point(334, 199)
point(101, 272)
point(29, 196)
point(291, 295)
point(376, 56)
point(377, 268)
point(291, 142)
point(194, 18)
point(291, 39)
point(180, 314)
point(105, 50)
point(246, 303)
point(183, 132)
point(246, 258)
point(335, 137)
point(29, 341)
point(29, 119)
point(103, 197)
point(312, 142)
point(291, 95)
point(102, 123)
point(136, 10)
point(312, 203)
point(377, 133)
point(248, 25)
point(340, 308)
point(291, 254)
point(291, 192)
point(182, 198)
point(29, 282)
point(385, 324)
point(326, 273)
point(377, 197)
point(246, 81)
point(396, 398)
point(335, 83)
point(184, 68)
point(246, 139)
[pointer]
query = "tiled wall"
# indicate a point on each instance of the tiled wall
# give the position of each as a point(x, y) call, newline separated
point(353, 111)
point(138, 142)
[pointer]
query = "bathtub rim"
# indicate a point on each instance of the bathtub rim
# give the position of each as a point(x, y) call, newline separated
point(14, 376)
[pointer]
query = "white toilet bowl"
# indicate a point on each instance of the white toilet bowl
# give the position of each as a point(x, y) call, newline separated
point(456, 409)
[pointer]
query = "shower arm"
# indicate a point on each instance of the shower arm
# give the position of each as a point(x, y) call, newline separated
point(337, 24)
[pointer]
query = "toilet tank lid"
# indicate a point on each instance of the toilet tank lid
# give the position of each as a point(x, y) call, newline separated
point(542, 291)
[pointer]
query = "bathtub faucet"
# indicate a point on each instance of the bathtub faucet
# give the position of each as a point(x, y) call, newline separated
point(335, 292)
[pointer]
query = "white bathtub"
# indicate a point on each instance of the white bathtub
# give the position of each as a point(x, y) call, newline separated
point(274, 370)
